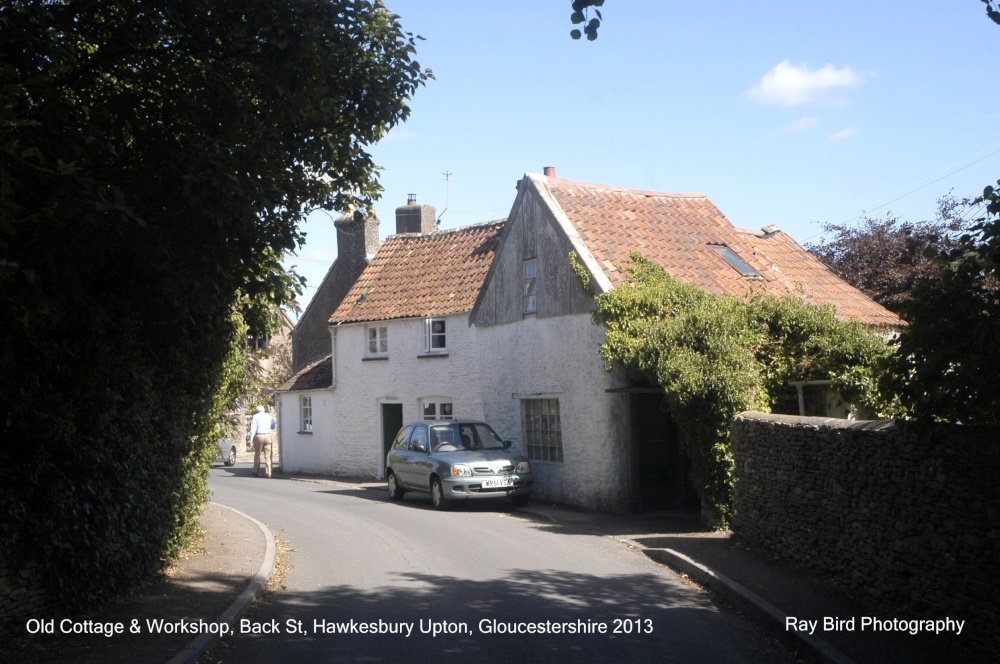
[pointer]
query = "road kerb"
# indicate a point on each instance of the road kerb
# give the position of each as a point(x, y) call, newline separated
point(750, 603)
point(203, 642)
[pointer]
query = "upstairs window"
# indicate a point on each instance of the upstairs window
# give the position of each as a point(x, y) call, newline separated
point(378, 341)
point(530, 284)
point(435, 337)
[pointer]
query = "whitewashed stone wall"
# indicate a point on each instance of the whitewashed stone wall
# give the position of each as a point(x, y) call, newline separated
point(347, 420)
point(486, 374)
point(556, 358)
point(307, 452)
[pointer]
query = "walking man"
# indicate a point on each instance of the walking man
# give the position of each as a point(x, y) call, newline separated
point(262, 434)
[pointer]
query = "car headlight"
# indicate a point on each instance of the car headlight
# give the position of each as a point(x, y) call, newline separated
point(461, 470)
point(523, 467)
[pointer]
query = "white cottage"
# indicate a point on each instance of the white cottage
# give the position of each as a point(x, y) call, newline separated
point(401, 349)
point(491, 322)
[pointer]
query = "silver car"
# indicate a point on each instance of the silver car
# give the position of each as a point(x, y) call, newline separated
point(227, 450)
point(456, 460)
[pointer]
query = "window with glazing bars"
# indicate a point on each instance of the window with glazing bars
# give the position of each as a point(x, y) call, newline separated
point(378, 341)
point(437, 411)
point(542, 431)
point(435, 338)
point(305, 414)
point(530, 286)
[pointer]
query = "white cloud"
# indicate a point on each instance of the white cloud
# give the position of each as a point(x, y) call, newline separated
point(790, 85)
point(841, 135)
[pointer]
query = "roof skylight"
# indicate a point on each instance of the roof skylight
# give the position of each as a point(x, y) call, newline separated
point(737, 263)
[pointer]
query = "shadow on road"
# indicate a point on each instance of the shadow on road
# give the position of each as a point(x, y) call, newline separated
point(642, 618)
point(540, 512)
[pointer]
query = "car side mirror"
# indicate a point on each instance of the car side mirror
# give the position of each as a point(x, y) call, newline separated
point(507, 443)
point(419, 447)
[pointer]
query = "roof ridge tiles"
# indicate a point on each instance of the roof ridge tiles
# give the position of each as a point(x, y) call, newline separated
point(484, 225)
point(619, 188)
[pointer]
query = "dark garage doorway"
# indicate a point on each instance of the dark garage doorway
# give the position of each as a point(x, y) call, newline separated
point(660, 473)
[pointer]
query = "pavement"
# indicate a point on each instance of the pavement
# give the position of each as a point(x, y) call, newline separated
point(214, 581)
point(218, 580)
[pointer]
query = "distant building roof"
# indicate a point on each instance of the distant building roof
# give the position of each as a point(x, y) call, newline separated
point(688, 236)
point(317, 375)
point(422, 275)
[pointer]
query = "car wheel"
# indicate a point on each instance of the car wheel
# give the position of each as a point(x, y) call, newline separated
point(231, 457)
point(521, 501)
point(395, 492)
point(437, 495)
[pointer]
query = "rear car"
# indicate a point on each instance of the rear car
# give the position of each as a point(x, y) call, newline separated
point(227, 450)
point(456, 460)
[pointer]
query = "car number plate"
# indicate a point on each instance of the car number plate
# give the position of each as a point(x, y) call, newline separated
point(498, 482)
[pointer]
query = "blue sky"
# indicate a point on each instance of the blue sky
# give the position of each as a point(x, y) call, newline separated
point(787, 112)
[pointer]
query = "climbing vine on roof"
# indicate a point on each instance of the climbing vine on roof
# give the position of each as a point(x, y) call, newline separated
point(716, 356)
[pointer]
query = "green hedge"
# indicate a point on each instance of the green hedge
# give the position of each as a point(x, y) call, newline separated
point(106, 459)
point(155, 161)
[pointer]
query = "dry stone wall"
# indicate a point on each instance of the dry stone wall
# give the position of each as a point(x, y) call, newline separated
point(909, 516)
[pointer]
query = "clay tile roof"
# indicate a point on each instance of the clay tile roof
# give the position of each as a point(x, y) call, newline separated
point(317, 375)
point(684, 233)
point(422, 275)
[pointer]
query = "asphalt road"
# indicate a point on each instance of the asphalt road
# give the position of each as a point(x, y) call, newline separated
point(480, 583)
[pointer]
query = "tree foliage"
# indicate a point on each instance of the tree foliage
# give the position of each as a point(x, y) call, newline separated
point(943, 369)
point(991, 11)
point(264, 371)
point(580, 15)
point(883, 258)
point(155, 158)
point(716, 356)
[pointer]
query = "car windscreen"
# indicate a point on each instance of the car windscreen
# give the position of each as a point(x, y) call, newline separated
point(445, 439)
point(479, 437)
point(464, 436)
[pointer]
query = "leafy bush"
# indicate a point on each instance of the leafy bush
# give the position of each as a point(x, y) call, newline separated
point(716, 356)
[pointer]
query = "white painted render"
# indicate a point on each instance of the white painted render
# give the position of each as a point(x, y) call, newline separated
point(485, 375)
point(347, 422)
point(556, 358)
point(298, 448)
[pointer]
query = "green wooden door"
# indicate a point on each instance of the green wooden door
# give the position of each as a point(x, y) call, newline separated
point(392, 422)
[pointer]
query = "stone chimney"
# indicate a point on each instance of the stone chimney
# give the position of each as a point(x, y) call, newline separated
point(357, 238)
point(357, 242)
point(415, 218)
